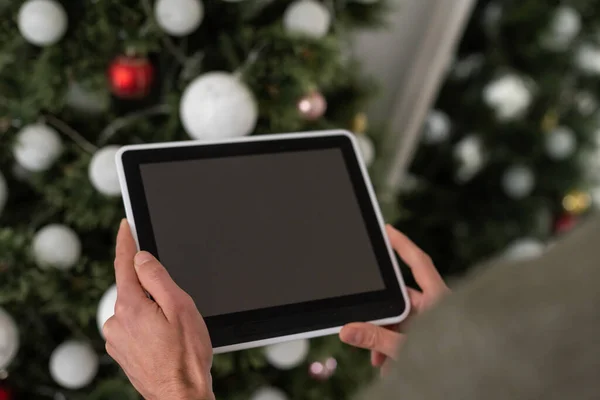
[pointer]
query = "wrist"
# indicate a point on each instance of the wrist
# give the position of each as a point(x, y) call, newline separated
point(199, 392)
point(188, 391)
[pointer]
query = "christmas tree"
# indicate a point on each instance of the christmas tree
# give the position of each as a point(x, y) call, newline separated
point(80, 79)
point(509, 154)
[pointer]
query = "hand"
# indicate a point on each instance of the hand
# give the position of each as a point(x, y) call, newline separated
point(162, 345)
point(384, 342)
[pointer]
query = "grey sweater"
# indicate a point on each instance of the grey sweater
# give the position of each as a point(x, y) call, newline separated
point(517, 331)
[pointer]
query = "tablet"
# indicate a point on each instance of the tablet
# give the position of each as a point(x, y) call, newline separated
point(275, 237)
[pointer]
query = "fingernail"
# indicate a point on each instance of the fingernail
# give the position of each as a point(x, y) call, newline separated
point(123, 223)
point(353, 336)
point(142, 257)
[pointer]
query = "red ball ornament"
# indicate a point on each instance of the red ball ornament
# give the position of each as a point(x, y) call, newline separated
point(5, 393)
point(564, 224)
point(131, 77)
point(312, 106)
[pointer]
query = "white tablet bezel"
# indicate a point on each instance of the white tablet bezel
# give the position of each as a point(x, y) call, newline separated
point(276, 137)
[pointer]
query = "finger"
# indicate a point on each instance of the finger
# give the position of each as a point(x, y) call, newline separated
point(377, 358)
point(418, 261)
point(128, 285)
point(158, 283)
point(416, 299)
point(372, 337)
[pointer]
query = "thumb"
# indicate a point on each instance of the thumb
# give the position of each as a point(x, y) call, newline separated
point(156, 280)
point(372, 337)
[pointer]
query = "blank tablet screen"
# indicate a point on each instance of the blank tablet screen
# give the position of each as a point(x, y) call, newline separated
point(248, 232)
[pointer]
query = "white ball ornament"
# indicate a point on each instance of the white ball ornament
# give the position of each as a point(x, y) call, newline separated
point(42, 22)
point(106, 307)
point(37, 147)
point(524, 249)
point(56, 246)
point(3, 192)
point(218, 105)
point(366, 148)
point(565, 26)
point(307, 17)
point(437, 127)
point(560, 143)
point(179, 17)
point(469, 152)
point(588, 59)
point(287, 355)
point(586, 103)
point(73, 364)
point(509, 96)
point(518, 182)
point(9, 339)
point(103, 171)
point(268, 393)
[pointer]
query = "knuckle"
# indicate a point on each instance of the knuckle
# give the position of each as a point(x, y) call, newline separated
point(372, 338)
point(187, 301)
point(121, 308)
point(108, 329)
point(183, 301)
point(426, 258)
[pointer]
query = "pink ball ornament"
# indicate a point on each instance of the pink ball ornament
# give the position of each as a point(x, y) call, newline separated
point(312, 106)
point(323, 370)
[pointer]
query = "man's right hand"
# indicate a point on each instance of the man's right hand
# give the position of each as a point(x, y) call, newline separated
point(384, 342)
point(162, 344)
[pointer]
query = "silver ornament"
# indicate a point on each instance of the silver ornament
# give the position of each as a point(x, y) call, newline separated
point(565, 26)
point(470, 154)
point(42, 22)
point(73, 364)
point(437, 127)
point(509, 96)
point(560, 143)
point(56, 246)
point(37, 147)
point(9, 339)
point(287, 355)
point(218, 105)
point(103, 171)
point(307, 17)
point(179, 17)
point(518, 182)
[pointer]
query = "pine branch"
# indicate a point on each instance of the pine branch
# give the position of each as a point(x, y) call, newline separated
point(71, 133)
point(121, 123)
point(170, 46)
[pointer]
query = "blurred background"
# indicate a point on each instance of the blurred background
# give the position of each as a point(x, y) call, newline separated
point(478, 120)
